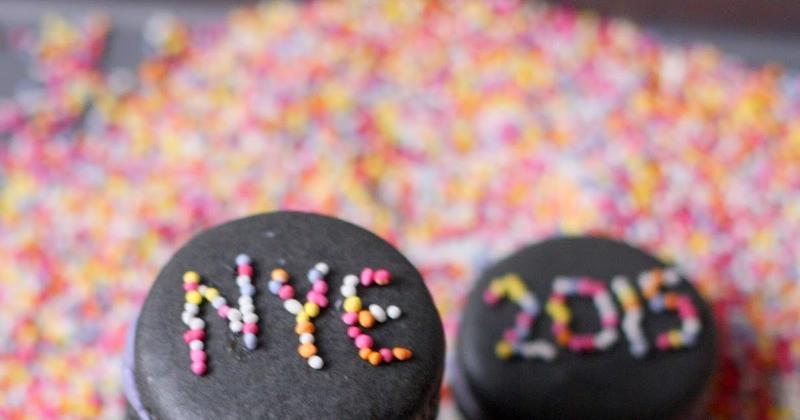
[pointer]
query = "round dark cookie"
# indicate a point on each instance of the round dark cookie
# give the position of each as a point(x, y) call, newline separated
point(611, 384)
point(274, 381)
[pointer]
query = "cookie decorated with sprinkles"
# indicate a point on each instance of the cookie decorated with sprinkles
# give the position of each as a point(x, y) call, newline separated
point(584, 327)
point(286, 315)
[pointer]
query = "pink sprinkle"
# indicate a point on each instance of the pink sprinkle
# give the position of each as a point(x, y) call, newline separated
point(286, 292)
point(557, 328)
point(586, 287)
point(524, 320)
point(191, 335)
point(685, 308)
point(321, 300)
point(610, 321)
point(382, 277)
point(662, 342)
point(198, 368)
point(363, 341)
point(223, 311)
point(353, 332)
point(510, 335)
point(490, 298)
point(311, 296)
point(350, 318)
point(581, 343)
point(197, 356)
point(320, 287)
point(366, 277)
point(250, 327)
point(386, 355)
point(189, 286)
point(245, 270)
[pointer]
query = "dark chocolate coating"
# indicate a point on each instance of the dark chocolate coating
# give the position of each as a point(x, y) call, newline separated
point(273, 381)
point(602, 385)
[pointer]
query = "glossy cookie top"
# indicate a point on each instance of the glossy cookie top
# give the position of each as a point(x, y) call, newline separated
point(546, 335)
point(277, 377)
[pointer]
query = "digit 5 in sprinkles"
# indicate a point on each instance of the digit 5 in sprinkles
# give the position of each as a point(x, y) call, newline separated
point(651, 282)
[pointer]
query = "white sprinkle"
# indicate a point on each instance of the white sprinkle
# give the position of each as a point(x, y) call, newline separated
point(242, 281)
point(242, 259)
point(562, 285)
point(316, 362)
point(619, 283)
point(293, 306)
point(202, 289)
point(671, 276)
point(378, 313)
point(247, 309)
point(606, 338)
point(187, 317)
point(245, 300)
point(322, 268)
point(250, 318)
point(234, 315)
point(191, 308)
point(197, 324)
point(196, 345)
point(538, 349)
point(691, 326)
point(394, 312)
point(235, 326)
point(306, 338)
point(348, 290)
point(351, 280)
point(218, 302)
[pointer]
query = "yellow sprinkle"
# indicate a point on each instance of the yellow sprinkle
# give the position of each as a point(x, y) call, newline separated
point(191, 277)
point(516, 287)
point(302, 316)
point(212, 293)
point(193, 296)
point(503, 350)
point(352, 304)
point(312, 309)
point(497, 287)
point(675, 338)
point(560, 313)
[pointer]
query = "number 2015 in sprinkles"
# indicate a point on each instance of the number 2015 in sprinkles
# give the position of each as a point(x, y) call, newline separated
point(651, 282)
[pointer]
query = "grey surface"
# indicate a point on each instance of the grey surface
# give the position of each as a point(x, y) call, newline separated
point(763, 36)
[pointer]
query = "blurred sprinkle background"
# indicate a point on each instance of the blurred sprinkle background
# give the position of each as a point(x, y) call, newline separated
point(457, 130)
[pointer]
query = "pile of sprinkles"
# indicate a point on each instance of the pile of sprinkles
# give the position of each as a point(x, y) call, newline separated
point(456, 130)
